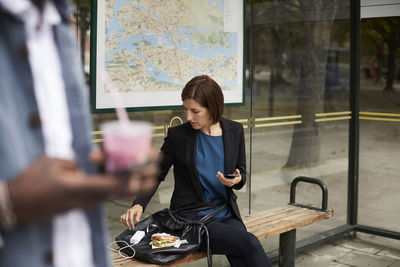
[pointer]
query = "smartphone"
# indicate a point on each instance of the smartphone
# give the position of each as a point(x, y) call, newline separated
point(231, 175)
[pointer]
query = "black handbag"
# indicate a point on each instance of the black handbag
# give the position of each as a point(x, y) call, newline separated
point(175, 223)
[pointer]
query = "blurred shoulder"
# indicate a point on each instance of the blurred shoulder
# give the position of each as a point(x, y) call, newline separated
point(180, 130)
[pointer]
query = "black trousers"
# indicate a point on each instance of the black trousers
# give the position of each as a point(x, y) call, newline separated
point(230, 237)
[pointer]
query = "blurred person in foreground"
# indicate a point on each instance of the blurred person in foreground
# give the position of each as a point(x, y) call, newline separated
point(209, 158)
point(50, 187)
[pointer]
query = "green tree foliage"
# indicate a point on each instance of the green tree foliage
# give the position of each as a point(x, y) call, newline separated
point(381, 36)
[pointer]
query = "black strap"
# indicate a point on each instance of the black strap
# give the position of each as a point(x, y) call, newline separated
point(202, 221)
point(214, 203)
point(209, 256)
point(209, 216)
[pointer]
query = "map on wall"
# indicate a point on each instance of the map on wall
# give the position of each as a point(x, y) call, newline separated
point(150, 49)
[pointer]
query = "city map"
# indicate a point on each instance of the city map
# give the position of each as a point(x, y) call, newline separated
point(150, 48)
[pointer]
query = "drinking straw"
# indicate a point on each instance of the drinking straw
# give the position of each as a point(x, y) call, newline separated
point(122, 115)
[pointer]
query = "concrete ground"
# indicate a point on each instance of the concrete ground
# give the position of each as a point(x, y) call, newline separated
point(362, 251)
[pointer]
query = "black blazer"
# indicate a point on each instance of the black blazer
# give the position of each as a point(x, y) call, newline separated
point(179, 150)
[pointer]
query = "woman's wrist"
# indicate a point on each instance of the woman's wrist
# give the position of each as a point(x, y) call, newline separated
point(138, 206)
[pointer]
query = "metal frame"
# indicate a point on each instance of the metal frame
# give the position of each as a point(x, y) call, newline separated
point(287, 240)
point(352, 225)
point(93, 71)
point(324, 205)
point(315, 240)
point(251, 84)
point(377, 231)
point(287, 245)
point(354, 129)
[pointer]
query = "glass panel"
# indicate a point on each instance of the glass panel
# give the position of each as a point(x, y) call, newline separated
point(295, 114)
point(301, 94)
point(380, 123)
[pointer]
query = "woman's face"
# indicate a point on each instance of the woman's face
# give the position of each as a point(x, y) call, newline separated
point(197, 115)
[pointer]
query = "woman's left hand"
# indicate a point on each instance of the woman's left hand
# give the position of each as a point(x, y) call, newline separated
point(229, 181)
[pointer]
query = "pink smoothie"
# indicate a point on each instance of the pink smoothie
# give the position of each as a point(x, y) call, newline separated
point(125, 143)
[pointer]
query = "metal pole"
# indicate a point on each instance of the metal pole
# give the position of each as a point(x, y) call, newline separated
point(287, 249)
point(251, 83)
point(354, 131)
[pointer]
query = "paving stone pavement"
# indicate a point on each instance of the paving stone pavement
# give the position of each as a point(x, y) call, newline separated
point(363, 251)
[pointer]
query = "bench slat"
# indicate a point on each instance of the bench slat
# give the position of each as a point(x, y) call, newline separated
point(291, 222)
point(262, 224)
point(286, 215)
point(267, 213)
point(261, 218)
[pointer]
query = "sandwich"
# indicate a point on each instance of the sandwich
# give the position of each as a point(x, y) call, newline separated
point(163, 240)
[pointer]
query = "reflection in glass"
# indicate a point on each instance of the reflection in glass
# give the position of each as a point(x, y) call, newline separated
point(301, 87)
point(379, 123)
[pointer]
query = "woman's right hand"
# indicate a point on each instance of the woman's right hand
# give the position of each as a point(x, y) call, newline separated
point(127, 218)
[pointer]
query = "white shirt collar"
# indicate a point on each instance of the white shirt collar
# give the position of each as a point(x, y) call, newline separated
point(26, 10)
point(18, 7)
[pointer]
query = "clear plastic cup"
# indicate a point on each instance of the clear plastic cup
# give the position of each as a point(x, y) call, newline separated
point(125, 144)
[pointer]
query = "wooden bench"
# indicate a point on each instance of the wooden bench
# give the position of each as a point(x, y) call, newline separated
point(281, 221)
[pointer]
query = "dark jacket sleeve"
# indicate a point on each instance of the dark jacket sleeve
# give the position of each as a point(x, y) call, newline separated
point(167, 159)
point(241, 160)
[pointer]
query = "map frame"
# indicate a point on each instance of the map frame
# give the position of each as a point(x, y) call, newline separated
point(95, 73)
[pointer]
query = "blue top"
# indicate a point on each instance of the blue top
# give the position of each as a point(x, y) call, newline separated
point(210, 160)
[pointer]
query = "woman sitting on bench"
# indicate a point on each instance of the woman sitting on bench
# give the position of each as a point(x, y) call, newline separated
point(202, 150)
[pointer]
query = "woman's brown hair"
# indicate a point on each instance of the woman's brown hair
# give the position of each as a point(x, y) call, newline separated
point(207, 93)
